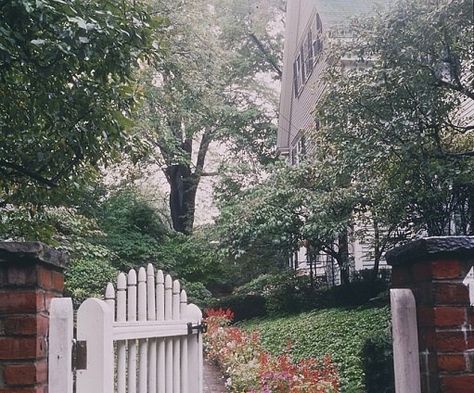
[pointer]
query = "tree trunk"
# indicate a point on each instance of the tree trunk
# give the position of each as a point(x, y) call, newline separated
point(183, 188)
point(343, 256)
point(377, 251)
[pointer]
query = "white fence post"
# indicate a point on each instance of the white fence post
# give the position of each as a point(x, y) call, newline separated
point(405, 341)
point(60, 378)
point(94, 326)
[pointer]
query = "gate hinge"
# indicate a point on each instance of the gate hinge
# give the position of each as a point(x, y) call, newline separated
point(79, 355)
point(201, 328)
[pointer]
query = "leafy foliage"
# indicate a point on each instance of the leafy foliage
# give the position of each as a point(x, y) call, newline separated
point(377, 360)
point(68, 68)
point(250, 368)
point(395, 121)
point(337, 332)
point(202, 92)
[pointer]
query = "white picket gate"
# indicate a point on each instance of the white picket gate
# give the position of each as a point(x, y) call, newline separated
point(143, 338)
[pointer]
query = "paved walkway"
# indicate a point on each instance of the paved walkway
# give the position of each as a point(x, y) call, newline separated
point(213, 380)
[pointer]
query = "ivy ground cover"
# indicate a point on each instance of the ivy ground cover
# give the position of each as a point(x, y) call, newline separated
point(339, 333)
point(249, 368)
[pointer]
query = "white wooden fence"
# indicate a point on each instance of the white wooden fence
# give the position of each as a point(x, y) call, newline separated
point(143, 338)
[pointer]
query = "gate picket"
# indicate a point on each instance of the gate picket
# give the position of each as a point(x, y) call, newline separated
point(160, 316)
point(176, 341)
point(151, 309)
point(121, 345)
point(168, 340)
point(132, 344)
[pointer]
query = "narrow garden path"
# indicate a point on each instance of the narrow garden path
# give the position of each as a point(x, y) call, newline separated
point(213, 379)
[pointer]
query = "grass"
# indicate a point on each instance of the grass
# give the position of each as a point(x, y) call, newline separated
point(338, 332)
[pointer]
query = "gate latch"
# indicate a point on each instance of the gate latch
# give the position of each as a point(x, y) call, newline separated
point(79, 355)
point(201, 328)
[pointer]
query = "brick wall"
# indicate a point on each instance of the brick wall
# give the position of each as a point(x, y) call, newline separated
point(31, 274)
point(434, 268)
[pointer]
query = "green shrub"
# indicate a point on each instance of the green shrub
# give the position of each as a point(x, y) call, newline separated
point(377, 363)
point(243, 306)
point(338, 332)
point(197, 293)
point(88, 278)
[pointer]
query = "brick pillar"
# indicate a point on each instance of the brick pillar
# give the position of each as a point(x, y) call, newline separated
point(31, 274)
point(434, 268)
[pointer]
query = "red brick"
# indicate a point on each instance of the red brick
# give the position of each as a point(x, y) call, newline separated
point(451, 362)
point(20, 374)
point(26, 374)
point(21, 325)
point(18, 301)
point(18, 348)
point(447, 269)
point(422, 271)
point(425, 316)
point(446, 293)
point(38, 389)
point(401, 276)
point(427, 339)
point(454, 341)
point(457, 384)
point(21, 275)
point(45, 279)
point(58, 281)
point(449, 316)
point(42, 325)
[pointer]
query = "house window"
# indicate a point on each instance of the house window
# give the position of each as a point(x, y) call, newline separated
point(309, 48)
point(308, 54)
point(302, 63)
point(297, 74)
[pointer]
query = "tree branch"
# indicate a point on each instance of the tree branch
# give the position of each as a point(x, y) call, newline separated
point(266, 54)
point(27, 173)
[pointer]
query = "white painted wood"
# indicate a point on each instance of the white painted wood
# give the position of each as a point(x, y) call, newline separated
point(142, 344)
point(94, 325)
point(61, 325)
point(121, 345)
point(177, 341)
point(154, 314)
point(184, 346)
point(160, 316)
point(132, 343)
point(405, 341)
point(168, 341)
point(110, 298)
point(195, 360)
point(151, 308)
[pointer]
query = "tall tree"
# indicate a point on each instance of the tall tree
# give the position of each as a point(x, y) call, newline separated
point(397, 122)
point(66, 88)
point(202, 92)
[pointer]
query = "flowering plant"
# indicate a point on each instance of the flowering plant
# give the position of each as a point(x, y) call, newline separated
point(250, 369)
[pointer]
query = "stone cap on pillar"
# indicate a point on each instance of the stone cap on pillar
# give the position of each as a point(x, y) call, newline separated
point(431, 248)
point(32, 252)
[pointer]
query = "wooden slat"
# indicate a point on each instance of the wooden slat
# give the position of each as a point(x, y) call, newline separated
point(121, 316)
point(176, 341)
point(151, 311)
point(142, 344)
point(184, 346)
point(160, 316)
point(168, 341)
point(132, 344)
